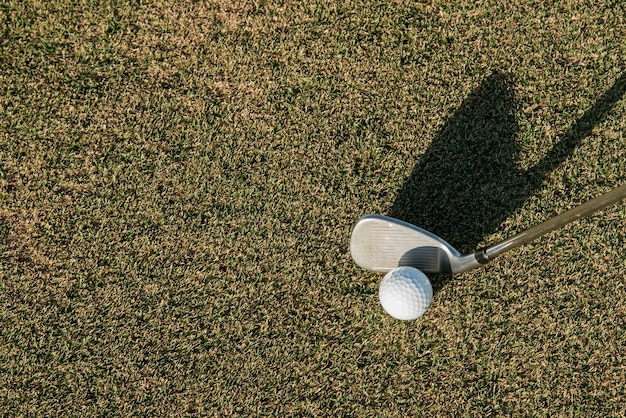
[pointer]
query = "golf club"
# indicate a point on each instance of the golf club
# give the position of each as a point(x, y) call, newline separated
point(381, 243)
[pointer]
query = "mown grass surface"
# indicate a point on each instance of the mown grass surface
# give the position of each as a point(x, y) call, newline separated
point(178, 182)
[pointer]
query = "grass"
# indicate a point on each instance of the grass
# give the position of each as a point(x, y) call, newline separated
point(178, 182)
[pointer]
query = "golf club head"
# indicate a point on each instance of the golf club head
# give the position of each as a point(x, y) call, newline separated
point(380, 243)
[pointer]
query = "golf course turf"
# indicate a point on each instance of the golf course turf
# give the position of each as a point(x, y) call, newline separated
point(179, 180)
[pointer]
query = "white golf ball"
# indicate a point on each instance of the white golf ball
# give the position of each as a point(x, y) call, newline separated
point(405, 293)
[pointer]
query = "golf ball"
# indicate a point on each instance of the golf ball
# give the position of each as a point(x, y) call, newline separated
point(405, 293)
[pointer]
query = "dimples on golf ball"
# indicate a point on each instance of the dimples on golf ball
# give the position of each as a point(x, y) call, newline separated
point(405, 293)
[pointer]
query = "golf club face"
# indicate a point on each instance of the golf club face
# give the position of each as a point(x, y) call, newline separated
point(380, 243)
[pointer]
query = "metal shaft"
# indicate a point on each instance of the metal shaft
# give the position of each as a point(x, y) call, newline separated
point(559, 221)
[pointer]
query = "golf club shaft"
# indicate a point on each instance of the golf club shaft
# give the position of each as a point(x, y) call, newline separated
point(559, 221)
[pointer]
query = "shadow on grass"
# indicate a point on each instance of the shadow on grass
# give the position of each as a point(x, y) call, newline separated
point(467, 182)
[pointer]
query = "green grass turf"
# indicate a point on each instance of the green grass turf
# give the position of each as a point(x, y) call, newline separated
point(178, 182)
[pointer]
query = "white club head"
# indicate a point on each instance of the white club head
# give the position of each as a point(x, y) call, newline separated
point(380, 243)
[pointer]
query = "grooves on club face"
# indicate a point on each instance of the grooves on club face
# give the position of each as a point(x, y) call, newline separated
point(426, 259)
point(380, 243)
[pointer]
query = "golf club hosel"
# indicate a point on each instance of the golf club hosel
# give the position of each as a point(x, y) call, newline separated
point(462, 263)
point(481, 256)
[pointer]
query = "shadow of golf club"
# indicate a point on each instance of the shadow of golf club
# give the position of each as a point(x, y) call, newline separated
point(467, 182)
